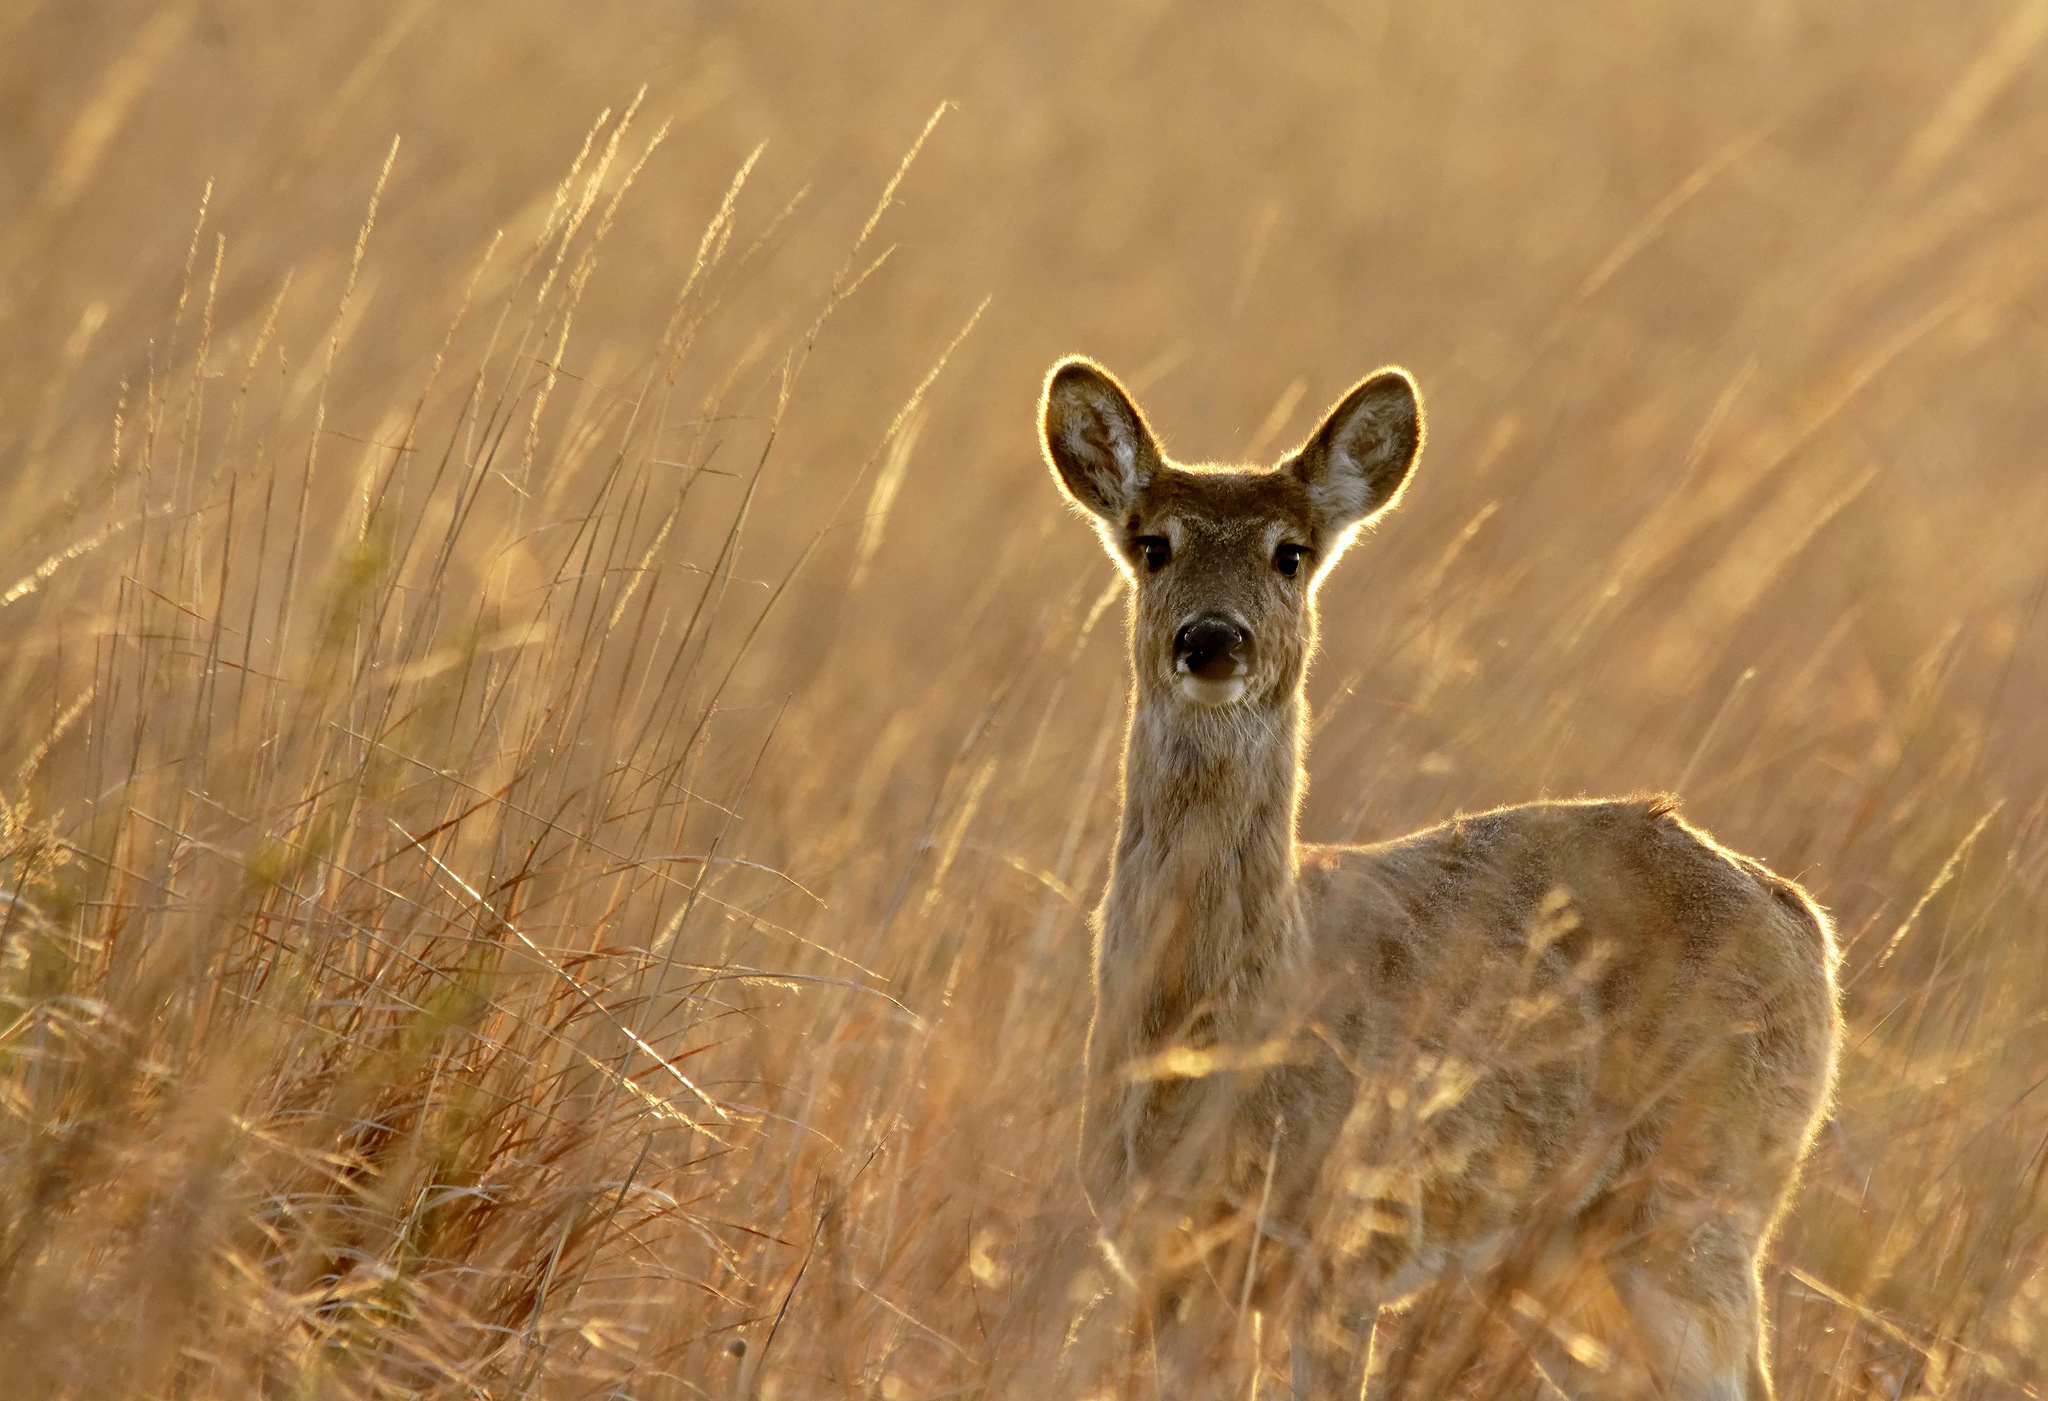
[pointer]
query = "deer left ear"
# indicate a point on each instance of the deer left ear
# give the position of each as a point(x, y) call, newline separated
point(1356, 464)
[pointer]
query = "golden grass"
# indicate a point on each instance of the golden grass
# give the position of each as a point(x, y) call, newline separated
point(558, 768)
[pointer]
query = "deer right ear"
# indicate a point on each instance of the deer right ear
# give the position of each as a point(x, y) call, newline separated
point(1355, 465)
point(1096, 439)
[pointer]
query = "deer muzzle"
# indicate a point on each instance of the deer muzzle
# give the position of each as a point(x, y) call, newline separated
point(1212, 649)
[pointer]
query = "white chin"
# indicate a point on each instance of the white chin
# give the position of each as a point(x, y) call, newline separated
point(1227, 692)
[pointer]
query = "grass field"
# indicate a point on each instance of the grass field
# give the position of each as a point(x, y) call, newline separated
point(562, 740)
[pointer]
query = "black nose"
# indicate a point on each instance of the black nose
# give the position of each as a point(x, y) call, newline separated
point(1211, 648)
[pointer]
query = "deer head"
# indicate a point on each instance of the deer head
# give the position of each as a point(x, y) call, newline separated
point(1225, 561)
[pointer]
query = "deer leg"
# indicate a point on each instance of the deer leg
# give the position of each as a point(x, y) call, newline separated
point(1332, 1349)
point(1684, 1324)
point(1702, 1321)
point(1197, 1353)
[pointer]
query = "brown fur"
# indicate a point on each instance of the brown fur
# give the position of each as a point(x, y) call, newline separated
point(1576, 1046)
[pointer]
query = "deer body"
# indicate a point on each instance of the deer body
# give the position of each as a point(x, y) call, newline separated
point(1576, 1044)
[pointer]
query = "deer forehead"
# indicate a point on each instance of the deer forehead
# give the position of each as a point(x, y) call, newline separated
point(1224, 535)
point(1224, 506)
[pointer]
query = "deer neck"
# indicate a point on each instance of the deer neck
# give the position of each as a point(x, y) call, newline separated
point(1202, 911)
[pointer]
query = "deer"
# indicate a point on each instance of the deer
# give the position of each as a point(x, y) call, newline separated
point(1574, 1048)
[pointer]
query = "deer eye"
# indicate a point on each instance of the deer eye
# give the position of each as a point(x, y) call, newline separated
point(1287, 559)
point(1157, 550)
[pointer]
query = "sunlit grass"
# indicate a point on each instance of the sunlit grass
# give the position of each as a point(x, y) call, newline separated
point(562, 740)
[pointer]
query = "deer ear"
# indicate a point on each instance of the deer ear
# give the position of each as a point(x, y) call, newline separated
point(1355, 465)
point(1096, 440)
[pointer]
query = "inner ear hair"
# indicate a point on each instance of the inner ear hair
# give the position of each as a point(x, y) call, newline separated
point(1356, 464)
point(1095, 439)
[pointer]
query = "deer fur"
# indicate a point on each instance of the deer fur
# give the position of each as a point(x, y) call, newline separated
point(1574, 1047)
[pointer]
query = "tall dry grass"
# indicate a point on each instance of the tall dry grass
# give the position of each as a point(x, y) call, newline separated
point(563, 741)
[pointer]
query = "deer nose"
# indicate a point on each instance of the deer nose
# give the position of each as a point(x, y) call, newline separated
point(1211, 648)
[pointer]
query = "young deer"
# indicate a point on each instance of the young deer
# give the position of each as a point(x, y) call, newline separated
point(1573, 1048)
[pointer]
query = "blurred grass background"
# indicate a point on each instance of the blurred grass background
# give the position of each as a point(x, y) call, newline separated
point(562, 740)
